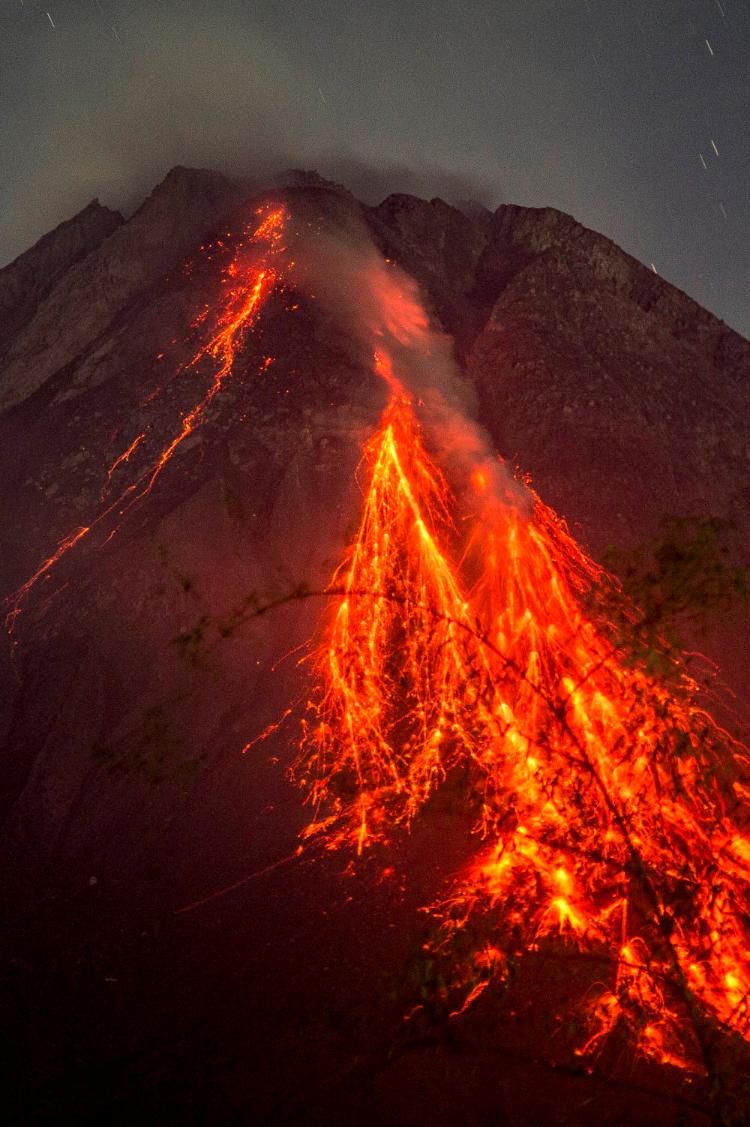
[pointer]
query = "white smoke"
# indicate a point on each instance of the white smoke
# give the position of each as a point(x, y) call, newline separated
point(380, 307)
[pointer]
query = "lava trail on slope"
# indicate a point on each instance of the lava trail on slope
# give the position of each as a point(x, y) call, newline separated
point(611, 808)
point(252, 274)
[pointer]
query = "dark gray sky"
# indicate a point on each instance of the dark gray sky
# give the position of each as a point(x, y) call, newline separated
point(633, 115)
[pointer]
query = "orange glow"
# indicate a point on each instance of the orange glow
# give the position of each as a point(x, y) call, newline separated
point(611, 809)
point(241, 305)
point(480, 481)
point(222, 347)
point(21, 594)
point(124, 457)
point(473, 648)
point(395, 574)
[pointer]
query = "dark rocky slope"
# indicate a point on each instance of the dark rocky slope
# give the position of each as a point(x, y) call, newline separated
point(27, 281)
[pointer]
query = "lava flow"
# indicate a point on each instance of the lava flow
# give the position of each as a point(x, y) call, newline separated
point(248, 285)
point(396, 630)
point(609, 804)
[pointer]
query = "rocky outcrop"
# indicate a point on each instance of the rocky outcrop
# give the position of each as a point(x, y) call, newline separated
point(94, 291)
point(622, 397)
point(27, 281)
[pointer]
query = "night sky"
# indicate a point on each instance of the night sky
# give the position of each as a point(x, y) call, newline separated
point(633, 115)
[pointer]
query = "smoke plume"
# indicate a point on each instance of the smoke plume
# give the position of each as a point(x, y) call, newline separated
point(380, 307)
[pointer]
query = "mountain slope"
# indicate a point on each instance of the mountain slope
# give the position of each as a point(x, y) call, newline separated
point(130, 689)
point(28, 280)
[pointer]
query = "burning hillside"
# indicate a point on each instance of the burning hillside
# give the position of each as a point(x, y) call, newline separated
point(204, 449)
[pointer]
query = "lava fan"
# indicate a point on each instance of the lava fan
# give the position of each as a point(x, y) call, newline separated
point(396, 667)
point(609, 803)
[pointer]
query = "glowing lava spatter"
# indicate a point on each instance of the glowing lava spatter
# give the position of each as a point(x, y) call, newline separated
point(19, 597)
point(609, 802)
point(608, 774)
point(389, 639)
point(121, 460)
point(249, 284)
point(222, 347)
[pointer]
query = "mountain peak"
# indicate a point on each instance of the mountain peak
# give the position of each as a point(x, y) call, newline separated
point(81, 298)
point(195, 397)
point(26, 281)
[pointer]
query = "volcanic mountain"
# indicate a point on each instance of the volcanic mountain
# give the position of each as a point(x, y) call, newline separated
point(227, 424)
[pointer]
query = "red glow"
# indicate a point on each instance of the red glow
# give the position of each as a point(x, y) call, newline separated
point(20, 595)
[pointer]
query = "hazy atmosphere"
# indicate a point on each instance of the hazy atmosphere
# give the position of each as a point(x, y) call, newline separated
point(632, 117)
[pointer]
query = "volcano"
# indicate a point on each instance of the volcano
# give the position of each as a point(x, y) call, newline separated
point(341, 782)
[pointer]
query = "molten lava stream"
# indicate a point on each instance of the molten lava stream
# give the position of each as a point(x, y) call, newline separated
point(600, 834)
point(248, 286)
point(599, 785)
point(394, 666)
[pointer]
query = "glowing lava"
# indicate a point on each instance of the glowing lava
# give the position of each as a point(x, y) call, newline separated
point(22, 593)
point(369, 736)
point(609, 802)
point(611, 809)
point(121, 460)
point(248, 286)
point(221, 347)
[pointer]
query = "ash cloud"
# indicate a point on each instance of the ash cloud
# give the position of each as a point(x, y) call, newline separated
point(201, 87)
